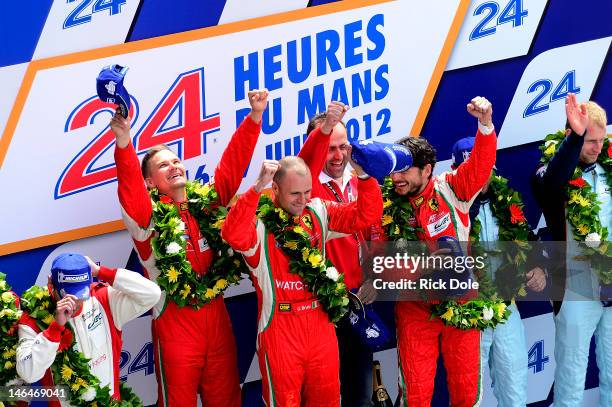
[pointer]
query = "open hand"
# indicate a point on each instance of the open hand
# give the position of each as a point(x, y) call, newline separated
point(577, 115)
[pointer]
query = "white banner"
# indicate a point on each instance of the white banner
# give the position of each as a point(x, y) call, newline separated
point(78, 25)
point(538, 105)
point(494, 30)
point(189, 92)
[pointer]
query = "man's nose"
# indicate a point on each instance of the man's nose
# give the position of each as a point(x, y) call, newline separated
point(599, 147)
point(394, 176)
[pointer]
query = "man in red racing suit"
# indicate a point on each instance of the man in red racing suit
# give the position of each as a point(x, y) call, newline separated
point(296, 342)
point(195, 350)
point(441, 204)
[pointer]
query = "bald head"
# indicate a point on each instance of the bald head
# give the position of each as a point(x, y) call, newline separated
point(292, 185)
point(292, 164)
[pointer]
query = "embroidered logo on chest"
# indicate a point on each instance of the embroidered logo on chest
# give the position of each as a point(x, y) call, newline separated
point(437, 227)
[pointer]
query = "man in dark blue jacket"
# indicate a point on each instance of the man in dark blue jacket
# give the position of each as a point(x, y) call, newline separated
point(580, 314)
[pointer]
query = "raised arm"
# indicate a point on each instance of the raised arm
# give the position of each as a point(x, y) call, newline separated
point(470, 177)
point(130, 294)
point(238, 153)
point(365, 211)
point(315, 149)
point(133, 194)
point(239, 229)
point(314, 154)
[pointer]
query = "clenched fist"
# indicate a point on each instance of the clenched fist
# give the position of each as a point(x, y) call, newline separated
point(268, 169)
point(335, 113)
point(481, 109)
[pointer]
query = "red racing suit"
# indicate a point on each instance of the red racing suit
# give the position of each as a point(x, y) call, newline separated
point(195, 350)
point(442, 209)
point(296, 342)
point(343, 252)
point(97, 328)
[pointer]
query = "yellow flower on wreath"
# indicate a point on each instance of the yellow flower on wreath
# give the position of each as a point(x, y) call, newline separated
point(218, 224)
point(551, 149)
point(582, 201)
point(7, 297)
point(221, 284)
point(305, 253)
point(281, 214)
point(500, 308)
point(9, 353)
point(8, 312)
point(387, 219)
point(67, 372)
point(315, 259)
point(292, 245)
point(448, 314)
point(48, 319)
point(387, 203)
point(40, 294)
point(75, 386)
point(185, 291)
point(2, 285)
point(298, 229)
point(209, 293)
point(202, 189)
point(172, 274)
point(583, 229)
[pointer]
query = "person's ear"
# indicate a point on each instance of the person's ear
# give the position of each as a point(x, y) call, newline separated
point(275, 188)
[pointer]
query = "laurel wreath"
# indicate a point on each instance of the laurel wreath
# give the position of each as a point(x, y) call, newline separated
point(320, 276)
point(583, 207)
point(177, 278)
point(507, 208)
point(480, 313)
point(70, 367)
point(9, 315)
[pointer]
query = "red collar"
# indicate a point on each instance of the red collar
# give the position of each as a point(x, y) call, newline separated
point(419, 199)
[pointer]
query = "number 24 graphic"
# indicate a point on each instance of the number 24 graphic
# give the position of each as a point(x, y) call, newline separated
point(512, 13)
point(79, 16)
point(566, 85)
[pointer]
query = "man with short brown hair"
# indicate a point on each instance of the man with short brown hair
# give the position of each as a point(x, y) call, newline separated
point(195, 350)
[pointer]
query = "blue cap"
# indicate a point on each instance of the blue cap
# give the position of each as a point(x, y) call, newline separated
point(109, 85)
point(366, 325)
point(381, 159)
point(70, 274)
point(461, 150)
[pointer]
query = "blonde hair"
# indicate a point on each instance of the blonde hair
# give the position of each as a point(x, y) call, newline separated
point(597, 114)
